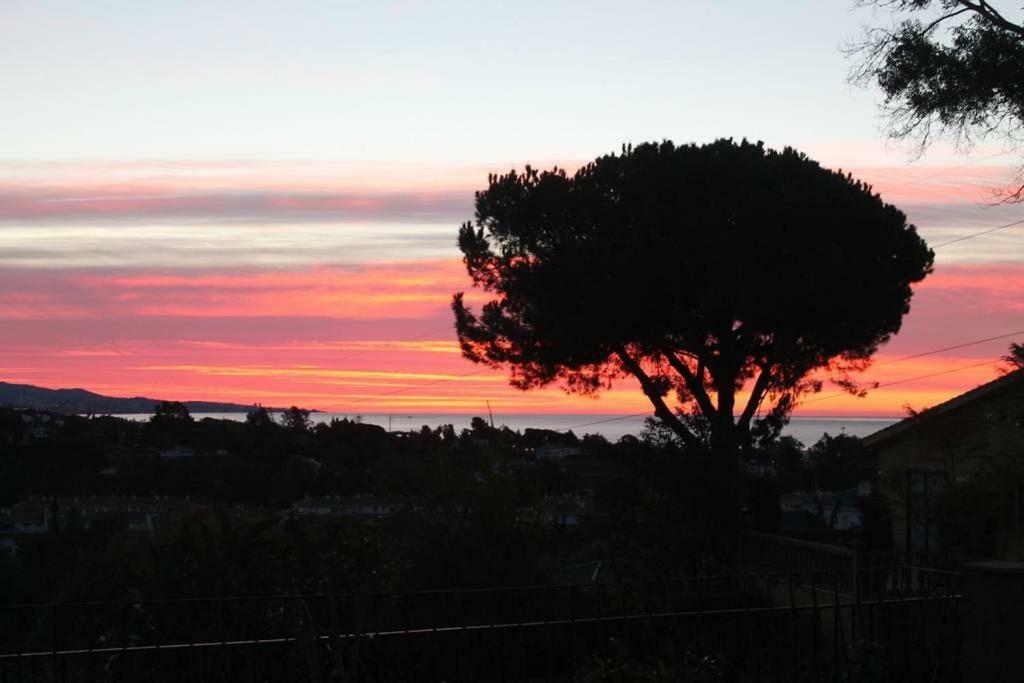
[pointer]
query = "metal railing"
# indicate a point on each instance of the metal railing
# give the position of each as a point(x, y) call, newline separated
point(864, 574)
point(796, 626)
point(772, 552)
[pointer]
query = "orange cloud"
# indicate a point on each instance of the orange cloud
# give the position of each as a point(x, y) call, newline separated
point(379, 338)
point(378, 291)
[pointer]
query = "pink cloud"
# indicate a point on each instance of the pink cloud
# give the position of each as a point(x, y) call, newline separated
point(120, 204)
point(307, 191)
point(960, 184)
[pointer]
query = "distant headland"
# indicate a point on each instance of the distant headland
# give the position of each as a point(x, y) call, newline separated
point(83, 401)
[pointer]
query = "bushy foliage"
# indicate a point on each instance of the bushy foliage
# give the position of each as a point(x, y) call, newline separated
point(653, 264)
point(947, 67)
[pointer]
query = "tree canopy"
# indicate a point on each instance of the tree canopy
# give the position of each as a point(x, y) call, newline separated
point(952, 67)
point(170, 412)
point(259, 418)
point(698, 270)
point(1015, 357)
point(295, 419)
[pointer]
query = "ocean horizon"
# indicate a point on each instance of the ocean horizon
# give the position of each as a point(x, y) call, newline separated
point(807, 430)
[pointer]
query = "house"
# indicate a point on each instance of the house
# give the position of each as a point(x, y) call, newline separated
point(27, 517)
point(40, 425)
point(565, 510)
point(557, 451)
point(177, 453)
point(43, 515)
point(359, 506)
point(953, 475)
point(313, 463)
point(838, 510)
point(760, 470)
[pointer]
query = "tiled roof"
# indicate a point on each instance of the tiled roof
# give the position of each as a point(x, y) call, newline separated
point(1006, 381)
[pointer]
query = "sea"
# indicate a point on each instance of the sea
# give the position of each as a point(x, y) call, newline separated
point(807, 430)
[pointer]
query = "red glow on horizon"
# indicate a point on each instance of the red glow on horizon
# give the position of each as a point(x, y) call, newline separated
point(295, 340)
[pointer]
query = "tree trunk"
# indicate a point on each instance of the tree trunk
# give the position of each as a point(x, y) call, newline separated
point(726, 518)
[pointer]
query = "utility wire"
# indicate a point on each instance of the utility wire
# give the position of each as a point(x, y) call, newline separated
point(417, 337)
point(838, 394)
point(978, 234)
point(813, 400)
point(933, 176)
point(905, 381)
point(945, 171)
point(433, 382)
point(418, 386)
point(951, 348)
point(601, 422)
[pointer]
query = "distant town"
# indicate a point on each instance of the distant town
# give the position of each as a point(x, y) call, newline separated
point(179, 508)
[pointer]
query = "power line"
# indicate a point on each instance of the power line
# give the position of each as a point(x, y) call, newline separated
point(905, 381)
point(880, 386)
point(420, 386)
point(978, 234)
point(945, 171)
point(813, 400)
point(433, 382)
point(600, 422)
point(417, 337)
point(951, 348)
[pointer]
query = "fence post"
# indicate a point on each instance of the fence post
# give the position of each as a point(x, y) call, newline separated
point(992, 622)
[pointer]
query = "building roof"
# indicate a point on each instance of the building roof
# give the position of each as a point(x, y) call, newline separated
point(27, 512)
point(353, 502)
point(892, 431)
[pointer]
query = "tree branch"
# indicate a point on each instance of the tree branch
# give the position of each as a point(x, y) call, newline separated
point(941, 19)
point(992, 14)
point(693, 384)
point(661, 409)
point(756, 396)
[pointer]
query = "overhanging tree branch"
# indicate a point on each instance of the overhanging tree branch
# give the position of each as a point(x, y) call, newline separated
point(964, 83)
point(694, 385)
point(757, 395)
point(661, 409)
point(927, 29)
point(992, 14)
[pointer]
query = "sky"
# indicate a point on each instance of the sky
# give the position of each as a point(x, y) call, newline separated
point(259, 201)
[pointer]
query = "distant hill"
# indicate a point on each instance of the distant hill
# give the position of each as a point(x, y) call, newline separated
point(82, 401)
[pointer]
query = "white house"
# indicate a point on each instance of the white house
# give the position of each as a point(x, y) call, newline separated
point(557, 452)
point(177, 453)
point(365, 506)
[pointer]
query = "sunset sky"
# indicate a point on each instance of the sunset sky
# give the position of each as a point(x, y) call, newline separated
point(258, 201)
